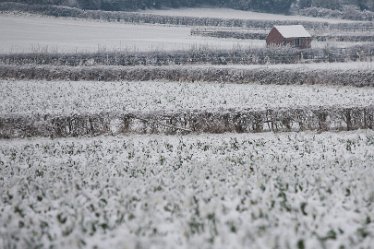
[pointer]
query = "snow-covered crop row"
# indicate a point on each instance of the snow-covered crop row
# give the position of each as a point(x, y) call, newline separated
point(68, 98)
point(294, 190)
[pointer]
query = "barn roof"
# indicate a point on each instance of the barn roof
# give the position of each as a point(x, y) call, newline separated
point(292, 31)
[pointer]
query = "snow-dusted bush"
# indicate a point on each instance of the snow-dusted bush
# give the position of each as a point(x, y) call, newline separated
point(243, 34)
point(243, 75)
point(199, 55)
point(275, 120)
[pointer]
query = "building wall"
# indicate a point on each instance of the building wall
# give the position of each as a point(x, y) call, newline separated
point(274, 38)
point(302, 43)
point(307, 43)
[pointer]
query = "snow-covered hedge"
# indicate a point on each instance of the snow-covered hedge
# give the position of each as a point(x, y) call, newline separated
point(242, 75)
point(193, 56)
point(273, 55)
point(243, 34)
point(276, 120)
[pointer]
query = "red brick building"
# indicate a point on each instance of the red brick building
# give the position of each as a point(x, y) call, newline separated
point(289, 35)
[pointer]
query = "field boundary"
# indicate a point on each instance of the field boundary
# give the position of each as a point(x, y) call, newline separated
point(264, 75)
point(277, 120)
point(270, 55)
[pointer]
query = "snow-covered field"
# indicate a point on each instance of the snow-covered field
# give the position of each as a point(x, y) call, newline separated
point(29, 33)
point(38, 34)
point(239, 14)
point(261, 191)
point(293, 190)
point(67, 98)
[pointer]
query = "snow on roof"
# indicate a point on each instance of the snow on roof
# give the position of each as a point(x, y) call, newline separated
point(292, 31)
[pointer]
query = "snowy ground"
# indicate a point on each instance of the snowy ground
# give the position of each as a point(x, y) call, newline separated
point(239, 14)
point(66, 98)
point(48, 34)
point(337, 44)
point(38, 34)
point(359, 65)
point(292, 190)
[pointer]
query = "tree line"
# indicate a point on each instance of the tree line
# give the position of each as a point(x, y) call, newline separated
point(275, 6)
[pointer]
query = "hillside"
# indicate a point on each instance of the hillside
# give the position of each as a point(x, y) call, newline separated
point(276, 6)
